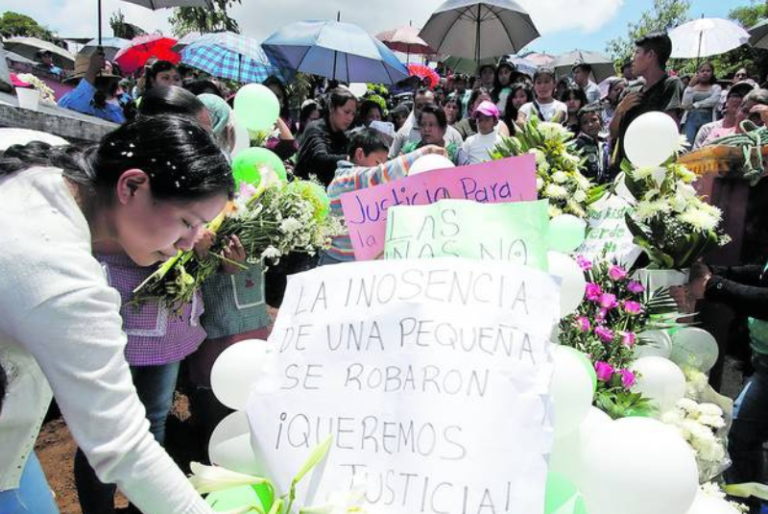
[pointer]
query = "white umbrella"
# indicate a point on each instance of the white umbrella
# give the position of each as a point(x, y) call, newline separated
point(602, 65)
point(29, 46)
point(705, 37)
point(477, 29)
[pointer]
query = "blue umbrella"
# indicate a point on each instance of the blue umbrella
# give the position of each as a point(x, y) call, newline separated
point(335, 50)
point(230, 56)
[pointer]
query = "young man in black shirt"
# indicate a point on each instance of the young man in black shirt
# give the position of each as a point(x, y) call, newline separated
point(656, 91)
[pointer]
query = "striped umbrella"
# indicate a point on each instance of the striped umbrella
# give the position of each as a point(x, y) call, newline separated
point(230, 56)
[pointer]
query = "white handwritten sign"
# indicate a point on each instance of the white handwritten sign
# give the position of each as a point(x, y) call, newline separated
point(607, 232)
point(432, 377)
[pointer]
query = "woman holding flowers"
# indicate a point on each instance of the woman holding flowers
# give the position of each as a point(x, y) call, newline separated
point(148, 188)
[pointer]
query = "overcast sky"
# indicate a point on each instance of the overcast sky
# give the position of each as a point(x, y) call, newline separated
point(564, 24)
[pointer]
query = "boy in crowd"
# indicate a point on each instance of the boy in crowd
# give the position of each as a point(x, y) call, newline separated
point(590, 143)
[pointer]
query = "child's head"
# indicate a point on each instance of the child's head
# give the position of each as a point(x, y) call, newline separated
point(544, 84)
point(574, 98)
point(368, 148)
point(590, 122)
point(487, 115)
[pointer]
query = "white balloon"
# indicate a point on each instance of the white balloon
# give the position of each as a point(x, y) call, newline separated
point(654, 343)
point(695, 347)
point(651, 139)
point(573, 286)
point(358, 89)
point(430, 162)
point(566, 233)
point(705, 504)
point(639, 466)
point(568, 457)
point(660, 380)
point(242, 139)
point(235, 371)
point(571, 390)
point(230, 445)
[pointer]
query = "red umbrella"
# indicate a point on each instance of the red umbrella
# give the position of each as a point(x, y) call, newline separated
point(424, 72)
point(143, 48)
point(406, 40)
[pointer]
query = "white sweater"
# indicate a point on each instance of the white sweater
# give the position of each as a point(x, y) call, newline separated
point(60, 329)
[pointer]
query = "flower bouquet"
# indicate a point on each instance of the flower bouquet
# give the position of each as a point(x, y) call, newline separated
point(558, 166)
point(46, 93)
point(270, 222)
point(607, 326)
point(670, 222)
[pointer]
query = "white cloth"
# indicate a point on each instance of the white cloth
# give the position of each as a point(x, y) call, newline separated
point(410, 133)
point(61, 332)
point(592, 92)
point(479, 146)
point(549, 111)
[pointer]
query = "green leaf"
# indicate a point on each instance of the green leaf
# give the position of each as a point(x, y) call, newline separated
point(317, 455)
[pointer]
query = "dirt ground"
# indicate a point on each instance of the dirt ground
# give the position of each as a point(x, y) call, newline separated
point(56, 449)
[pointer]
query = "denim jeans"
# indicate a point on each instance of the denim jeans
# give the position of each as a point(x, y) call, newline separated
point(750, 427)
point(695, 120)
point(33, 495)
point(155, 386)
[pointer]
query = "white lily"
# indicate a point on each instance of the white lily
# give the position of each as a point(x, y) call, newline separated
point(209, 479)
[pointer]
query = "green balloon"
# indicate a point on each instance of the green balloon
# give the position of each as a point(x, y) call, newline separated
point(566, 233)
point(245, 167)
point(315, 193)
point(230, 499)
point(559, 490)
point(257, 107)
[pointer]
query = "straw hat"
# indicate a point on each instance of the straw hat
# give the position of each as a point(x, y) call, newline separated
point(82, 62)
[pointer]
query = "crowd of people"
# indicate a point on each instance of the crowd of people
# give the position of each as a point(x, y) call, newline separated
point(109, 212)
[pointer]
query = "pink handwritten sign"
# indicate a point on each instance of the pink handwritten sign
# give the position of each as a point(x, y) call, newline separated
point(365, 211)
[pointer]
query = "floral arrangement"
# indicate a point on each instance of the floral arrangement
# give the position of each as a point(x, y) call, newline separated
point(558, 166)
point(670, 222)
point(702, 426)
point(270, 222)
point(607, 326)
point(46, 93)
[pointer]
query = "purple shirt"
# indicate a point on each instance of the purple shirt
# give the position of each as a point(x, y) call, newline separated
point(156, 335)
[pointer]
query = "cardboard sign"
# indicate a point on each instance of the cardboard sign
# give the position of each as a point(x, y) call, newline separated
point(607, 232)
point(431, 376)
point(365, 210)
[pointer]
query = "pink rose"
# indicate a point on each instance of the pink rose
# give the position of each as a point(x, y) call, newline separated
point(604, 371)
point(628, 339)
point(593, 292)
point(583, 324)
point(608, 301)
point(584, 263)
point(635, 287)
point(617, 273)
point(627, 378)
point(604, 334)
point(633, 307)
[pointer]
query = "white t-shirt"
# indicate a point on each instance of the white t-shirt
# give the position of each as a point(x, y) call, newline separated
point(548, 111)
point(478, 147)
point(61, 333)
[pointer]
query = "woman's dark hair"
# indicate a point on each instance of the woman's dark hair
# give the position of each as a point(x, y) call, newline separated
point(3, 386)
point(476, 93)
point(182, 159)
point(335, 98)
point(437, 112)
point(497, 86)
point(510, 111)
point(157, 67)
point(713, 79)
point(202, 86)
point(170, 100)
point(305, 113)
point(454, 100)
point(369, 140)
point(366, 107)
point(284, 103)
point(574, 91)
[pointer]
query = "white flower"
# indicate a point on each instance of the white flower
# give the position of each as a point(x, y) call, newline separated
point(541, 158)
point(710, 450)
point(539, 183)
point(555, 191)
point(554, 211)
point(647, 210)
point(710, 409)
point(710, 209)
point(672, 417)
point(580, 196)
point(560, 177)
point(679, 204)
point(699, 219)
point(682, 144)
point(651, 194)
point(713, 490)
point(712, 421)
point(642, 172)
point(291, 225)
point(690, 407)
point(686, 175)
point(553, 131)
point(271, 253)
point(575, 209)
point(208, 479)
point(686, 191)
point(581, 181)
